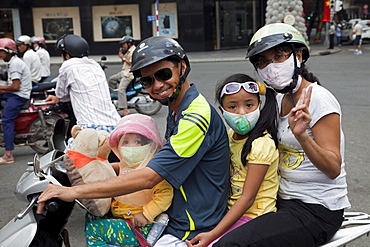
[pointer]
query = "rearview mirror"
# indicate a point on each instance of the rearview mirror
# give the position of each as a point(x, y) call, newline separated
point(36, 165)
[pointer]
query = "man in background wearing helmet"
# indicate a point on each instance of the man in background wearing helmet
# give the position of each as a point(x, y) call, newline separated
point(82, 81)
point(39, 46)
point(15, 93)
point(125, 76)
point(312, 192)
point(195, 158)
point(30, 57)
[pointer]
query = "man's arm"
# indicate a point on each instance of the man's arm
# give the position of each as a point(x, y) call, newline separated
point(16, 85)
point(144, 178)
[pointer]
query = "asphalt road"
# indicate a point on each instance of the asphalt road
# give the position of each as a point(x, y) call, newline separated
point(344, 74)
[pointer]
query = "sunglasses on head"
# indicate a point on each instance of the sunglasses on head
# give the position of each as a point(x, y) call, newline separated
point(234, 87)
point(163, 74)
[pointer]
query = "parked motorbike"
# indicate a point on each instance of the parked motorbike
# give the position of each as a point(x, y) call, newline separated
point(137, 97)
point(35, 122)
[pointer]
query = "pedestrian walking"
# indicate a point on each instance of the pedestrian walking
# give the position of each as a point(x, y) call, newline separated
point(357, 30)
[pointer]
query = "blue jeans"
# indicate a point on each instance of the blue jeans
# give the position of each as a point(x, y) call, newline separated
point(13, 104)
point(294, 224)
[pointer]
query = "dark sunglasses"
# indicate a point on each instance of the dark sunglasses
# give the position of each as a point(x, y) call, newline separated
point(163, 74)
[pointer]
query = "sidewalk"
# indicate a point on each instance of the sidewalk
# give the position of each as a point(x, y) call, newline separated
point(211, 56)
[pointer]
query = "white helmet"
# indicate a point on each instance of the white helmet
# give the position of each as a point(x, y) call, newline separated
point(24, 40)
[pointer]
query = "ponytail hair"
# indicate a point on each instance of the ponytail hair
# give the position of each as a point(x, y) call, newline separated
point(308, 75)
point(266, 122)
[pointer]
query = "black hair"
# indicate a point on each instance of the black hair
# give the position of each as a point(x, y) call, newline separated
point(173, 59)
point(268, 116)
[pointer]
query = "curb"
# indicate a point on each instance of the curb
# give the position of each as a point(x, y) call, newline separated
point(195, 57)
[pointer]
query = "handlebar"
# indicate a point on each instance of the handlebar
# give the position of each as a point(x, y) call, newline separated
point(53, 204)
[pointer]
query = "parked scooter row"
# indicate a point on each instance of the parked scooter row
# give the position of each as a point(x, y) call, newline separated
point(137, 97)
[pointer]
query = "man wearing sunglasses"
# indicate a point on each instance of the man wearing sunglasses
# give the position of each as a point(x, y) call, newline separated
point(195, 158)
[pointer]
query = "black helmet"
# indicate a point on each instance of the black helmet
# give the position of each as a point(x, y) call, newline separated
point(154, 49)
point(74, 45)
point(127, 39)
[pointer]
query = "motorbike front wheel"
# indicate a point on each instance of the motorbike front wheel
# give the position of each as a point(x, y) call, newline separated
point(41, 138)
point(152, 108)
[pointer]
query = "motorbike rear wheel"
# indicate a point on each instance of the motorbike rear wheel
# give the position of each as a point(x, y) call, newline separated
point(151, 109)
point(42, 135)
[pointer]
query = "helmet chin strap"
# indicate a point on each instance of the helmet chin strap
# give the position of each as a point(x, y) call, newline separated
point(177, 90)
point(297, 71)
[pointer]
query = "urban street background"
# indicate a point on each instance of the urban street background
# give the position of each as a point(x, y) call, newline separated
point(343, 73)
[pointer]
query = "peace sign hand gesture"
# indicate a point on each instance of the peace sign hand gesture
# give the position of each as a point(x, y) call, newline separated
point(299, 117)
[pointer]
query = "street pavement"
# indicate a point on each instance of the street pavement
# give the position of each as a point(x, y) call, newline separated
point(343, 73)
point(212, 56)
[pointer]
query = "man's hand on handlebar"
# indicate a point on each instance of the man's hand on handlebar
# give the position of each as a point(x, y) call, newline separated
point(52, 99)
point(54, 191)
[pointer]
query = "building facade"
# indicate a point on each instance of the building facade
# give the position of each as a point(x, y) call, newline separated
point(201, 25)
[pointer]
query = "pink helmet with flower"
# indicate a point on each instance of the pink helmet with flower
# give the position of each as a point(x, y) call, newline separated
point(8, 45)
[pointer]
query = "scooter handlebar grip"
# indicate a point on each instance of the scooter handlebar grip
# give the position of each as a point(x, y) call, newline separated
point(52, 206)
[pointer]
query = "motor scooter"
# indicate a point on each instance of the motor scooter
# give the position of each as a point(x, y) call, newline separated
point(137, 97)
point(35, 123)
point(28, 228)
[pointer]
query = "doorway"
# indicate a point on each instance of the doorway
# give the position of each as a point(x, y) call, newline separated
point(236, 23)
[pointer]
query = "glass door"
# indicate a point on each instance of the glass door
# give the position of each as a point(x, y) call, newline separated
point(236, 22)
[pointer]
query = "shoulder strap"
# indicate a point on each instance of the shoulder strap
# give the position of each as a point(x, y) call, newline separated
point(139, 235)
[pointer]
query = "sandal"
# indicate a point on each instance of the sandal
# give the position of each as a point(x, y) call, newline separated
point(3, 162)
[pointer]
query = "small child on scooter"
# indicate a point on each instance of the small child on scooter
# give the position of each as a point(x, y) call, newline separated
point(253, 153)
point(135, 140)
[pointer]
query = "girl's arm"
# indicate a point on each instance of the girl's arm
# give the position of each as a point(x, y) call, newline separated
point(253, 181)
point(162, 195)
point(324, 150)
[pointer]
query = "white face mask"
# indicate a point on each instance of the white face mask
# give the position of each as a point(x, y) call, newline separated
point(134, 156)
point(279, 75)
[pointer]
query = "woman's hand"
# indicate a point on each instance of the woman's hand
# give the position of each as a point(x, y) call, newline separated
point(299, 117)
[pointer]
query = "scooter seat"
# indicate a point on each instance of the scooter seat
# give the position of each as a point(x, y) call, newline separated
point(355, 225)
point(40, 87)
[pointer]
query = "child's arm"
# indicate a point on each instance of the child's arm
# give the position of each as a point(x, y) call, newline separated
point(139, 219)
point(162, 199)
point(253, 181)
